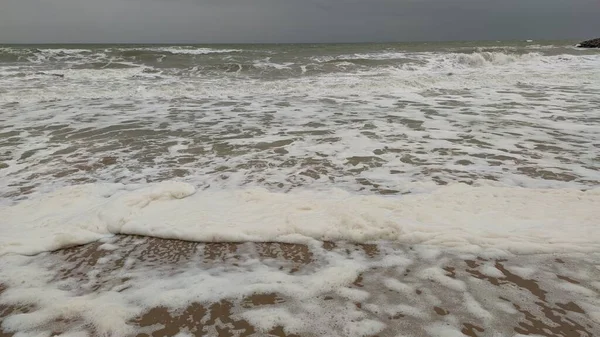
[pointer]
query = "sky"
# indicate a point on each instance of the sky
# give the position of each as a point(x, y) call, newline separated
point(280, 21)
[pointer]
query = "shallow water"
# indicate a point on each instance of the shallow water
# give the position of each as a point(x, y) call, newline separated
point(372, 118)
point(136, 286)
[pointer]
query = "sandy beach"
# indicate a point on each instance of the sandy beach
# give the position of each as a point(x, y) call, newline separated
point(435, 294)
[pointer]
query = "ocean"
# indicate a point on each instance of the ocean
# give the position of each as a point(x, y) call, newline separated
point(458, 177)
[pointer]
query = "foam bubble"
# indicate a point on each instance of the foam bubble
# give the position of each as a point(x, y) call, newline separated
point(458, 216)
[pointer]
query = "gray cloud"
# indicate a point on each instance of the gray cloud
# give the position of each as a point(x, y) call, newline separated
point(231, 21)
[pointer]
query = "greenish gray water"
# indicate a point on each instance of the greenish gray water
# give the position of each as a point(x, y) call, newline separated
point(378, 118)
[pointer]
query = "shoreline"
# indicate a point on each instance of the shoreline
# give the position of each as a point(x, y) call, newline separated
point(385, 289)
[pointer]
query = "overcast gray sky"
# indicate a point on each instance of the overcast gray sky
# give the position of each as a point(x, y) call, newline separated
point(231, 21)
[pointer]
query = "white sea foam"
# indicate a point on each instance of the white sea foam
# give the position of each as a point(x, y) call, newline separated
point(450, 60)
point(462, 217)
point(529, 123)
point(130, 290)
point(187, 50)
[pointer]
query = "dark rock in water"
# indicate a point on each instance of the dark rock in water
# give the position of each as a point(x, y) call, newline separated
point(595, 43)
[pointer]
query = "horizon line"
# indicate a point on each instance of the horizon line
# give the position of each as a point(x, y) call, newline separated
point(288, 43)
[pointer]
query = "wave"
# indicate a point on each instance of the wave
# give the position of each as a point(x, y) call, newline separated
point(39, 55)
point(104, 65)
point(481, 59)
point(185, 50)
point(461, 217)
point(374, 62)
point(166, 51)
point(471, 59)
point(192, 61)
point(379, 62)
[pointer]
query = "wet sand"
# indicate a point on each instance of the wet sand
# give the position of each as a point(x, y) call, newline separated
point(537, 304)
